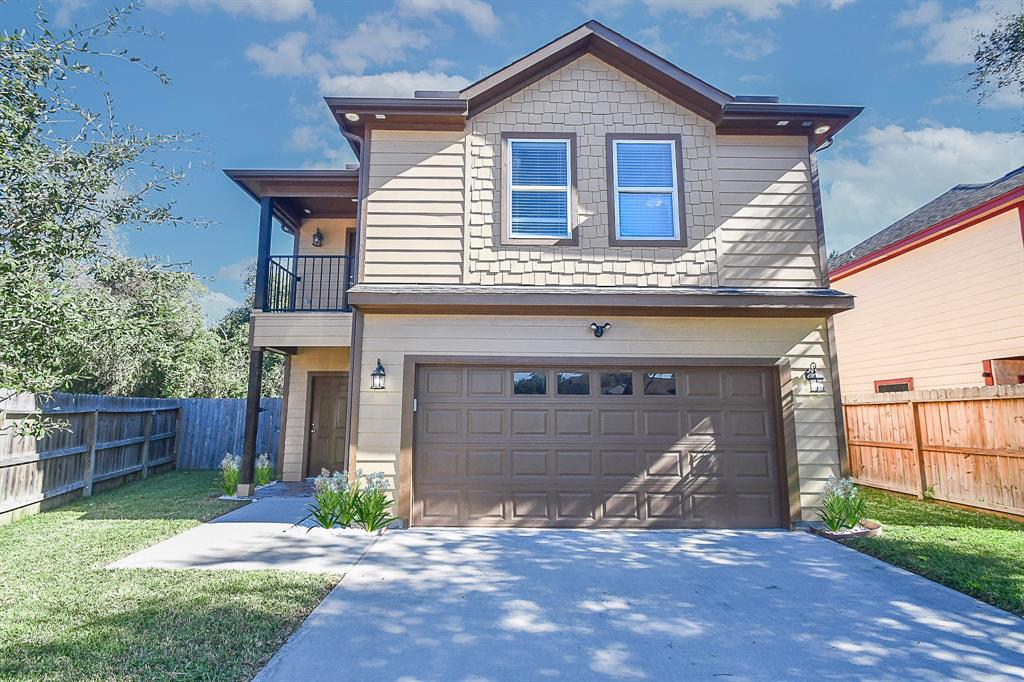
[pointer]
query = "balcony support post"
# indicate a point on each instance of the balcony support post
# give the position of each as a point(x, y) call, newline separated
point(260, 301)
point(246, 486)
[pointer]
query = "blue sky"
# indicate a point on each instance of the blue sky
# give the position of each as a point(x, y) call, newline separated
point(249, 75)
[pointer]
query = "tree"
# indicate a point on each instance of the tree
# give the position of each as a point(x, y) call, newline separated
point(69, 176)
point(999, 57)
point(233, 329)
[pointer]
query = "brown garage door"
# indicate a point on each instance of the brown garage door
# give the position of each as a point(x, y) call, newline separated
point(613, 447)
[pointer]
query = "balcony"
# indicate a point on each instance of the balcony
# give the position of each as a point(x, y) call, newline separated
point(316, 284)
point(306, 303)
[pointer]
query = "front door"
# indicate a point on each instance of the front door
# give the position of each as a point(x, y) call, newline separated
point(327, 424)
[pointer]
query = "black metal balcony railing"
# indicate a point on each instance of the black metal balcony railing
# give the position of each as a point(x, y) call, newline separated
point(310, 283)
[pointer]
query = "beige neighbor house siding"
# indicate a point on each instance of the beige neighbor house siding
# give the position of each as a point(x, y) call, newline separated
point(593, 100)
point(767, 234)
point(936, 312)
point(415, 207)
point(392, 337)
point(296, 416)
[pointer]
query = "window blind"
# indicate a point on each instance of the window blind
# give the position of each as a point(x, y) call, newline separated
point(539, 187)
point(645, 189)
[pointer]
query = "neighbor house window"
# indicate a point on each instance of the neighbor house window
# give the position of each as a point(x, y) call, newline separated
point(644, 190)
point(894, 385)
point(540, 181)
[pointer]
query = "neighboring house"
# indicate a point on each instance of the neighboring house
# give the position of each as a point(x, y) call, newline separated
point(940, 295)
point(594, 283)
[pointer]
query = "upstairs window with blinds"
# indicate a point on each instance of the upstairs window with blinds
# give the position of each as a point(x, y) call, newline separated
point(539, 187)
point(646, 189)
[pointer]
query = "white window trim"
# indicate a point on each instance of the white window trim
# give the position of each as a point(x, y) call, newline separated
point(646, 190)
point(541, 188)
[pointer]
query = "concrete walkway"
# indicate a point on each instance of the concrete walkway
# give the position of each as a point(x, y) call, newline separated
point(261, 535)
point(432, 604)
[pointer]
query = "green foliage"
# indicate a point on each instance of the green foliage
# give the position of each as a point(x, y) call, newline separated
point(67, 618)
point(999, 57)
point(842, 506)
point(264, 469)
point(337, 502)
point(372, 510)
point(230, 473)
point(75, 313)
point(976, 553)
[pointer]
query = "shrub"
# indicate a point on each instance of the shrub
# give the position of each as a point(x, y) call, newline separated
point(230, 468)
point(332, 497)
point(843, 506)
point(264, 469)
point(373, 505)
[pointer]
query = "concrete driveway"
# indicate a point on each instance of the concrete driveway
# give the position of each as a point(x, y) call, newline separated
point(432, 604)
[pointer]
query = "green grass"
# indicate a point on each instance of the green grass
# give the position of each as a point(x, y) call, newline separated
point(65, 617)
point(975, 553)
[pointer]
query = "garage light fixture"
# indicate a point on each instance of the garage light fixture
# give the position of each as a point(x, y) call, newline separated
point(377, 376)
point(815, 378)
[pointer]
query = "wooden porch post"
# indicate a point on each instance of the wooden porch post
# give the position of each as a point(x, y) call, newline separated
point(263, 253)
point(252, 422)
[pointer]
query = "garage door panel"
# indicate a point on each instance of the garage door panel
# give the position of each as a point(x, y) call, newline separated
point(486, 422)
point(484, 464)
point(703, 458)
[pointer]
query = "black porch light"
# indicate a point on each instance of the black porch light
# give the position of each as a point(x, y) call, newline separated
point(318, 238)
point(815, 379)
point(377, 376)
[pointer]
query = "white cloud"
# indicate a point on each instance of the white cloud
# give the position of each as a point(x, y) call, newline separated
point(1005, 98)
point(740, 44)
point(949, 37)
point(839, 4)
point(760, 9)
point(235, 272)
point(215, 305)
point(652, 39)
point(267, 10)
point(900, 170)
point(477, 14)
point(286, 57)
point(755, 78)
point(379, 39)
point(391, 84)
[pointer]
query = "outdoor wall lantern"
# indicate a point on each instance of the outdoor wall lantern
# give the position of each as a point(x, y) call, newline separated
point(815, 378)
point(318, 238)
point(377, 376)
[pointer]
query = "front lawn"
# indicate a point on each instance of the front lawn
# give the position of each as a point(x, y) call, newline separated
point(65, 617)
point(978, 554)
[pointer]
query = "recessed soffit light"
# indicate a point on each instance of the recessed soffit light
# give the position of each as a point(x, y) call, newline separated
point(352, 116)
point(821, 130)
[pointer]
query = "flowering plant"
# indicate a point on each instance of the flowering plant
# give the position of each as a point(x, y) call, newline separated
point(337, 501)
point(230, 467)
point(264, 469)
point(842, 506)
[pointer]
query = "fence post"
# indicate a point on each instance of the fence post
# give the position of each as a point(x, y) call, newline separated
point(147, 432)
point(178, 419)
point(90, 457)
point(922, 483)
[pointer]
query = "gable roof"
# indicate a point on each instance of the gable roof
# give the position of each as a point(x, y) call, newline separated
point(731, 114)
point(596, 38)
point(952, 204)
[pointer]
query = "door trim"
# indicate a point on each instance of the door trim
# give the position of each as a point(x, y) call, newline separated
point(783, 406)
point(308, 416)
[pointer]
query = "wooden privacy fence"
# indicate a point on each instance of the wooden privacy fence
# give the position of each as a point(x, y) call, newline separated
point(957, 445)
point(104, 441)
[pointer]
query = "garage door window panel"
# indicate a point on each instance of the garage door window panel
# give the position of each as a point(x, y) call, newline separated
point(617, 383)
point(573, 383)
point(529, 383)
point(659, 383)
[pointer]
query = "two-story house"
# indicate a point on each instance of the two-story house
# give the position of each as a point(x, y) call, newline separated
point(589, 289)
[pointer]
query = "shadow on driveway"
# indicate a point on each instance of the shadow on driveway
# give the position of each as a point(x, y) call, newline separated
point(438, 604)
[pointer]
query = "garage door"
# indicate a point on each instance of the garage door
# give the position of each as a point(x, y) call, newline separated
point(673, 447)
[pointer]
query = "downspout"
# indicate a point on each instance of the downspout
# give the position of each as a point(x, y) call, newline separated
point(355, 344)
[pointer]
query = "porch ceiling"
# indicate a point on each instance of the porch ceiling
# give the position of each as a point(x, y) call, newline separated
point(302, 194)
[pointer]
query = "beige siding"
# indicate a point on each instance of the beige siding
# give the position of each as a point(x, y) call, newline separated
point(415, 207)
point(592, 100)
point(301, 329)
point(392, 337)
point(767, 234)
point(935, 313)
point(296, 417)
